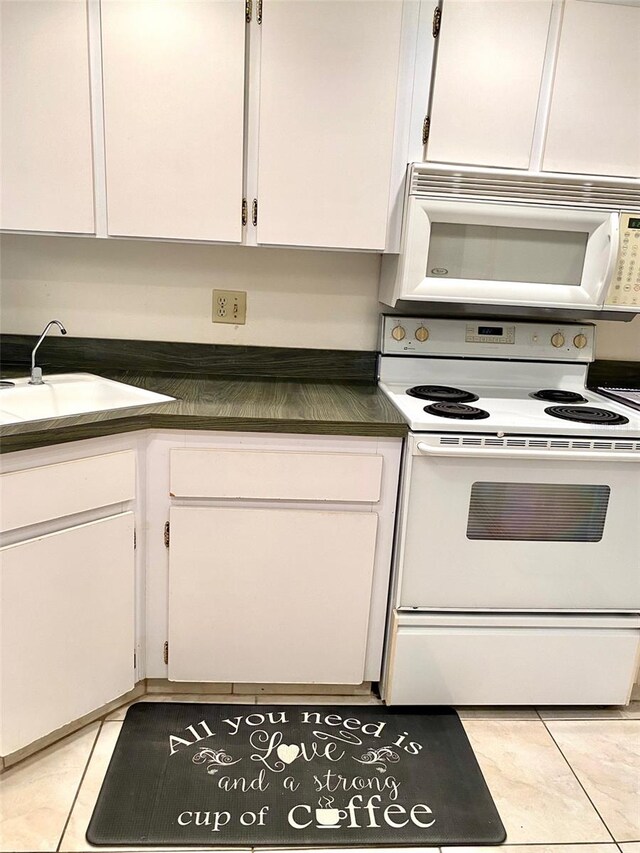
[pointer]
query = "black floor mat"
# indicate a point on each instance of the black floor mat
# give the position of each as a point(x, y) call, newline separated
point(293, 775)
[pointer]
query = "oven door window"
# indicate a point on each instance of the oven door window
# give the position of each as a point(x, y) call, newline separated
point(537, 512)
point(501, 253)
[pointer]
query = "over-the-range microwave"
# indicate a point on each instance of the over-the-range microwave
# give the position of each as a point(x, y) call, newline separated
point(516, 239)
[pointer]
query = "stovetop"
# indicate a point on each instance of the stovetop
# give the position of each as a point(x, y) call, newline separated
point(497, 393)
point(512, 410)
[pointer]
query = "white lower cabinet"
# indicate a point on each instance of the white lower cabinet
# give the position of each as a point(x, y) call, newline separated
point(269, 595)
point(66, 626)
point(276, 567)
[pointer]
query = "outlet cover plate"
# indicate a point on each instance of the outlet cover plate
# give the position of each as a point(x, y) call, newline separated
point(229, 306)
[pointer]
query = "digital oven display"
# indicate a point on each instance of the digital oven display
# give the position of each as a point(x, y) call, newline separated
point(490, 334)
point(634, 223)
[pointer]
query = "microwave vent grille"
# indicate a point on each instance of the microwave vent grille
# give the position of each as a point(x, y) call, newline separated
point(541, 443)
point(524, 187)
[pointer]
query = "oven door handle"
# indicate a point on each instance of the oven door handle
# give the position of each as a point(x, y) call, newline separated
point(525, 453)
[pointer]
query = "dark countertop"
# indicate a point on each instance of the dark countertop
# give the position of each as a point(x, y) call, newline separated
point(205, 403)
point(225, 387)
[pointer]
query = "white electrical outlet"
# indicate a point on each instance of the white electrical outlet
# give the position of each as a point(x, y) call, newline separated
point(229, 306)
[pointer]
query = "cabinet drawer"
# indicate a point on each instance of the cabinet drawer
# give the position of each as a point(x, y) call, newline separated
point(53, 491)
point(275, 475)
point(511, 666)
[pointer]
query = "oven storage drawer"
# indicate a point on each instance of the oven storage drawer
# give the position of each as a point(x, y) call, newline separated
point(511, 660)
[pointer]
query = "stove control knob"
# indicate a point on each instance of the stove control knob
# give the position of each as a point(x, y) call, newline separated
point(580, 341)
point(422, 334)
point(557, 340)
point(398, 333)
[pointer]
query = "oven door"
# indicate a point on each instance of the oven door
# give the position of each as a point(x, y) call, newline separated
point(494, 528)
point(507, 254)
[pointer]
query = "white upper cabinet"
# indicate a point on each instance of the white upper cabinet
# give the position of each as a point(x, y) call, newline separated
point(594, 124)
point(145, 102)
point(46, 179)
point(488, 73)
point(328, 85)
point(174, 117)
point(538, 85)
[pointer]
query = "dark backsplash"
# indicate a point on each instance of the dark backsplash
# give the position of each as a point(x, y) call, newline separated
point(317, 365)
point(614, 374)
point(91, 354)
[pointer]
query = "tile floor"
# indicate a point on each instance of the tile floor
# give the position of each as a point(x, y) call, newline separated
point(564, 780)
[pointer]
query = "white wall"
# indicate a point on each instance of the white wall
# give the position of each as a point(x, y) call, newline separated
point(619, 340)
point(148, 290)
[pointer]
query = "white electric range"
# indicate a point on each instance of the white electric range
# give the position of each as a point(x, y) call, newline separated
point(517, 560)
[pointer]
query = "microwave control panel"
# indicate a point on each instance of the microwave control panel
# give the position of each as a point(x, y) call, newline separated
point(624, 289)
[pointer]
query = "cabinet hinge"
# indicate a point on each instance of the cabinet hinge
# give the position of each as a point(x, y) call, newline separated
point(135, 539)
point(244, 211)
point(259, 12)
point(135, 659)
point(437, 18)
point(167, 534)
point(165, 652)
point(426, 126)
point(254, 212)
point(247, 11)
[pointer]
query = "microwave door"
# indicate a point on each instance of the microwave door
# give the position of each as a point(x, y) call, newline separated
point(507, 254)
point(503, 253)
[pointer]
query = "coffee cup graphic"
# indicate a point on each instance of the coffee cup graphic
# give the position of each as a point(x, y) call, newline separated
point(326, 816)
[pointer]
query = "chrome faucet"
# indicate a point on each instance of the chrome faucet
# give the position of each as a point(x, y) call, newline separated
point(36, 372)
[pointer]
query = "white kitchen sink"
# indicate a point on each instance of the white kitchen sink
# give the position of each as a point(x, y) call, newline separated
point(70, 394)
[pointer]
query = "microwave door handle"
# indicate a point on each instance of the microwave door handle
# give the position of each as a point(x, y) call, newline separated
point(524, 453)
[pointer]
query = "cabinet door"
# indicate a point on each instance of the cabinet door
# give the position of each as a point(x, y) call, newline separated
point(66, 627)
point(594, 124)
point(173, 111)
point(328, 76)
point(269, 595)
point(487, 81)
point(46, 165)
